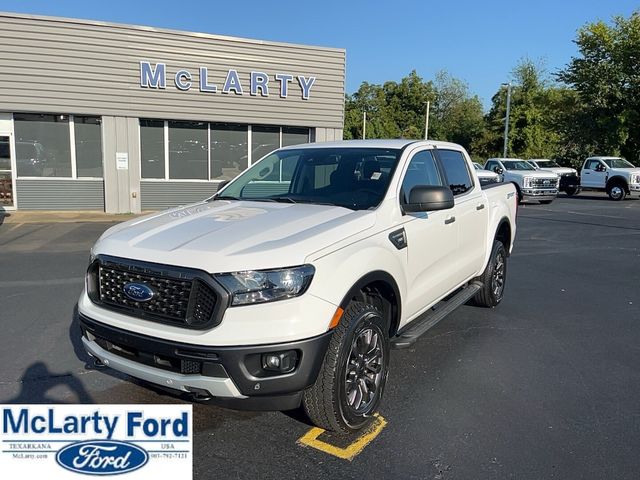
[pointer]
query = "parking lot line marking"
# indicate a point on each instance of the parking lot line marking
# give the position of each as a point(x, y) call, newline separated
point(310, 439)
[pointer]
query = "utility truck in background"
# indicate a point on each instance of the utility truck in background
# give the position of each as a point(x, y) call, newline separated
point(613, 175)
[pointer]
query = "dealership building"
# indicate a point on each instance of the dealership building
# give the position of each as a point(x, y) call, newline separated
point(123, 118)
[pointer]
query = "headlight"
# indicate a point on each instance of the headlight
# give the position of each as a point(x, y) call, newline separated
point(259, 286)
point(526, 182)
point(635, 179)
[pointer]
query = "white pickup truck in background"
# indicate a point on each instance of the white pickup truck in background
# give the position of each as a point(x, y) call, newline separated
point(613, 175)
point(290, 286)
point(530, 183)
point(569, 179)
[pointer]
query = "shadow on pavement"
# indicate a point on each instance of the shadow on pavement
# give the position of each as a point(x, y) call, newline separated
point(38, 380)
point(3, 214)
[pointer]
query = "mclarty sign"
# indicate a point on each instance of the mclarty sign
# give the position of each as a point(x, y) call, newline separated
point(60, 441)
point(231, 82)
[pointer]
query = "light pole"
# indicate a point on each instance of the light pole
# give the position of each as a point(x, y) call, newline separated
point(426, 122)
point(506, 119)
point(364, 124)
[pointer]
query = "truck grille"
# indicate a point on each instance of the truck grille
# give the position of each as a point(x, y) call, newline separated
point(544, 183)
point(179, 296)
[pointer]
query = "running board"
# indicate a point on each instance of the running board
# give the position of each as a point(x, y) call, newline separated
point(418, 327)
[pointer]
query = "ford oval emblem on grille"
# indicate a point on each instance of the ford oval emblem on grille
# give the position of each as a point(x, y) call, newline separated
point(102, 457)
point(138, 292)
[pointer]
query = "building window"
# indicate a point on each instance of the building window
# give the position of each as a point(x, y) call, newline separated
point(188, 151)
point(42, 145)
point(88, 139)
point(294, 136)
point(152, 148)
point(229, 152)
point(263, 140)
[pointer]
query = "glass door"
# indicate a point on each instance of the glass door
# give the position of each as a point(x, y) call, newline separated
point(6, 175)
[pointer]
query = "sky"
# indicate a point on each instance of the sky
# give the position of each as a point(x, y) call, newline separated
point(479, 42)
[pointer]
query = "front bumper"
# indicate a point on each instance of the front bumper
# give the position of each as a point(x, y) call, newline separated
point(229, 376)
point(539, 194)
point(634, 187)
point(569, 182)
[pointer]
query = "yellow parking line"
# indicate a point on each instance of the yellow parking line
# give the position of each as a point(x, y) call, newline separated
point(310, 439)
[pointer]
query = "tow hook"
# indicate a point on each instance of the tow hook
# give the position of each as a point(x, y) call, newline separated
point(97, 363)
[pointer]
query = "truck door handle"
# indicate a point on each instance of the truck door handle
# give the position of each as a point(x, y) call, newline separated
point(449, 220)
point(587, 173)
point(480, 207)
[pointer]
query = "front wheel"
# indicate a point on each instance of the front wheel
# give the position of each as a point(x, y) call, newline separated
point(616, 192)
point(493, 278)
point(349, 386)
point(571, 191)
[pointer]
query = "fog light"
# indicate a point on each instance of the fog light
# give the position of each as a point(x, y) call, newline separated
point(283, 362)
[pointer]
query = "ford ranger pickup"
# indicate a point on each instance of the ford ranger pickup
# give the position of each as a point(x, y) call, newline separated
point(291, 284)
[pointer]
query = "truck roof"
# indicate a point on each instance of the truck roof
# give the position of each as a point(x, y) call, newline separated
point(374, 143)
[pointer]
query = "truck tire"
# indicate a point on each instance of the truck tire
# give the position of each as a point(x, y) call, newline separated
point(351, 381)
point(616, 191)
point(571, 191)
point(493, 278)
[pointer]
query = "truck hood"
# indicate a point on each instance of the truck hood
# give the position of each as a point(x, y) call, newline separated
point(531, 173)
point(224, 236)
point(486, 173)
point(624, 172)
point(559, 170)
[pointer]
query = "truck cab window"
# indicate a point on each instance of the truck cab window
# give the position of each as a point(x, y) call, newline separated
point(455, 167)
point(422, 170)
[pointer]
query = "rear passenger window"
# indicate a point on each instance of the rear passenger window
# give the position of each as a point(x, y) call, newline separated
point(457, 171)
point(422, 170)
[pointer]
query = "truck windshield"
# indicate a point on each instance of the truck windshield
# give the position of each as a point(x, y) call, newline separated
point(617, 163)
point(547, 164)
point(355, 178)
point(517, 165)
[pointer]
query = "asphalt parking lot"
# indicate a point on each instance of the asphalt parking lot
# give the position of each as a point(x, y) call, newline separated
point(544, 386)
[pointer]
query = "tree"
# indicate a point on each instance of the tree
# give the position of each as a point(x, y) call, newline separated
point(606, 77)
point(397, 110)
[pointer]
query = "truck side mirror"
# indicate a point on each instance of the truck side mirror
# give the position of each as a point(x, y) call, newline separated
point(600, 168)
point(498, 170)
point(425, 198)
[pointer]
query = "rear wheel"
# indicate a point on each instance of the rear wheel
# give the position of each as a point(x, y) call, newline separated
point(351, 381)
point(616, 191)
point(493, 278)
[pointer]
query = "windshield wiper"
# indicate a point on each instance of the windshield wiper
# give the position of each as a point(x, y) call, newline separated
point(271, 199)
point(224, 197)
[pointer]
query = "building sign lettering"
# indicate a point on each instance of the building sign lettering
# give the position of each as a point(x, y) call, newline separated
point(259, 83)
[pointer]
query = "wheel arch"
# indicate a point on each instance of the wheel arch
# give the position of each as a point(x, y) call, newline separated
point(618, 179)
point(503, 233)
point(381, 289)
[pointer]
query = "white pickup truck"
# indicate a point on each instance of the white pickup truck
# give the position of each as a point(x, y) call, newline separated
point(613, 175)
point(291, 284)
point(530, 183)
point(569, 179)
